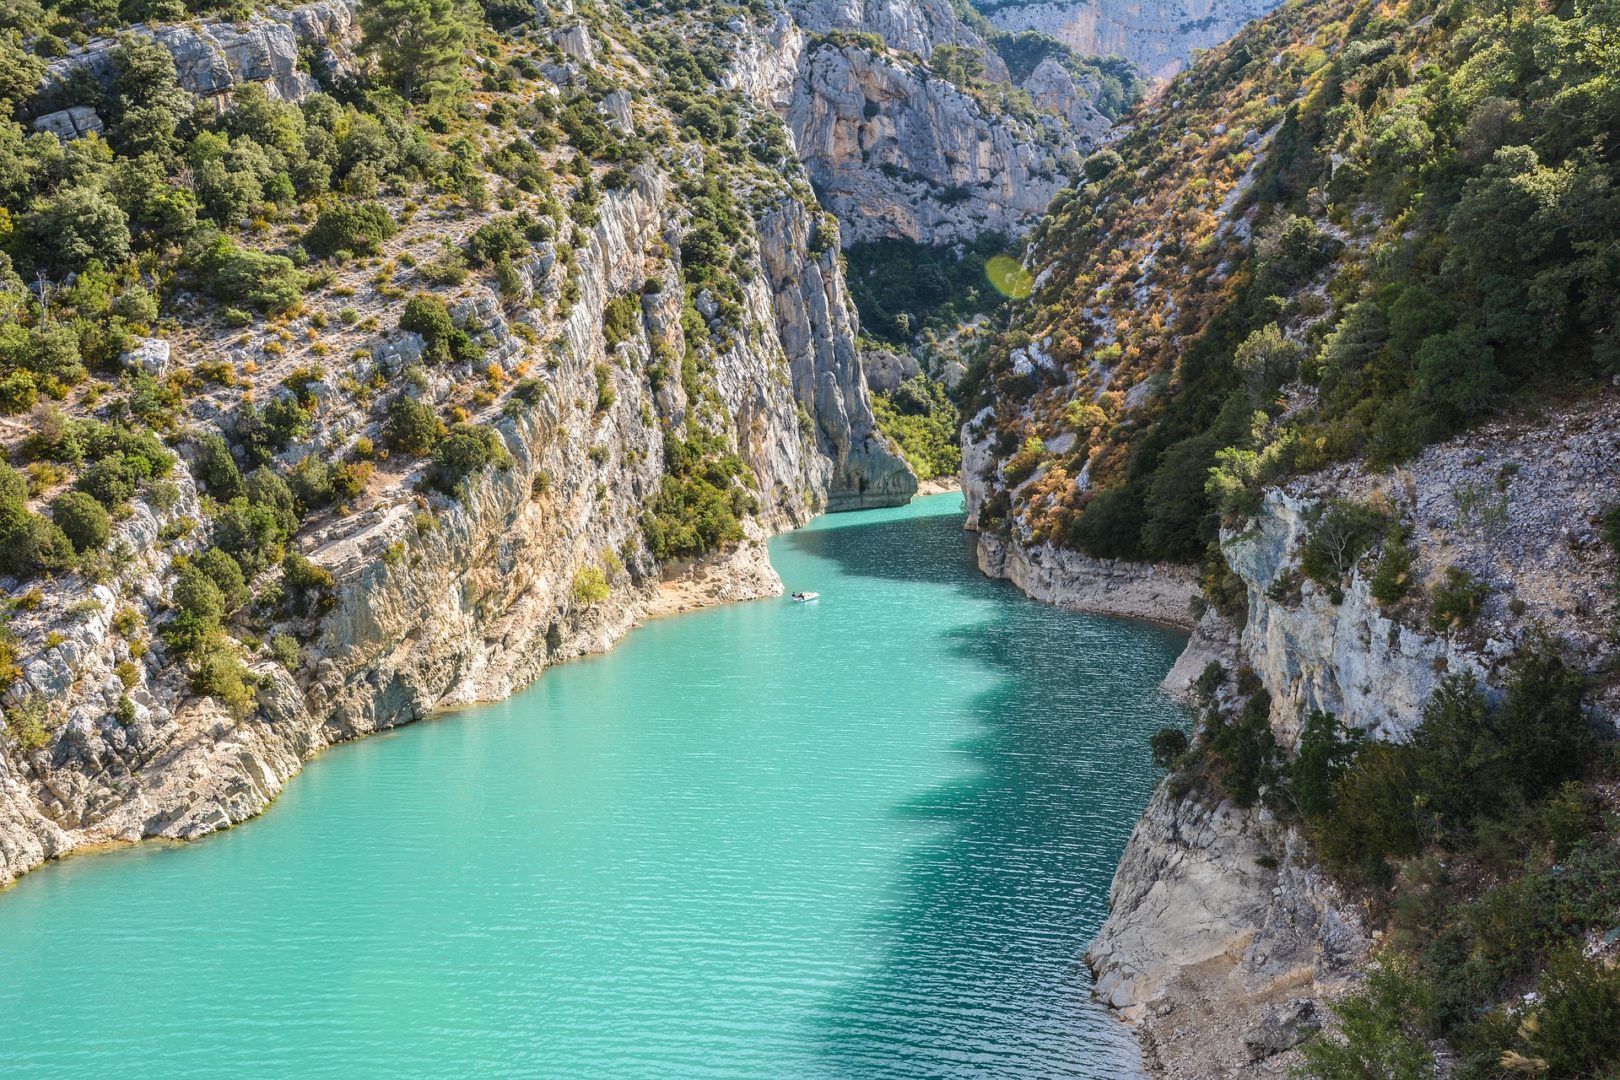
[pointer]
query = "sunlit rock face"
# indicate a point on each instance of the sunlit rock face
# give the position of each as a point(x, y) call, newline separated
point(1157, 35)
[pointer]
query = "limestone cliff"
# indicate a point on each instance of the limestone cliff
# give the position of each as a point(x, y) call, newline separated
point(896, 151)
point(435, 599)
point(1158, 36)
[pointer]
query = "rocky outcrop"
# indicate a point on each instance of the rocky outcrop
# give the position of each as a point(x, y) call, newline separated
point(1223, 937)
point(1077, 582)
point(212, 59)
point(896, 151)
point(1157, 36)
point(914, 26)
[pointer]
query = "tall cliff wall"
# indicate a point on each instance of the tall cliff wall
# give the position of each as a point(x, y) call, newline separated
point(1158, 36)
point(439, 600)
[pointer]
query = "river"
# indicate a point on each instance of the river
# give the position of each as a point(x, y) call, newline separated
point(866, 837)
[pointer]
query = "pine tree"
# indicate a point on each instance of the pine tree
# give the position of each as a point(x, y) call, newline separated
point(418, 45)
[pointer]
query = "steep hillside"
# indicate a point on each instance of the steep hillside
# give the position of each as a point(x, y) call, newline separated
point(1333, 323)
point(365, 386)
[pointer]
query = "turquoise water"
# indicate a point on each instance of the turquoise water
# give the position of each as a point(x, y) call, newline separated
point(868, 837)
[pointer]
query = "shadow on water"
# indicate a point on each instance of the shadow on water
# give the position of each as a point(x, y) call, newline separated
point(981, 973)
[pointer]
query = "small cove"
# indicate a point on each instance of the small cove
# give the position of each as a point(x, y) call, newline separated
point(867, 837)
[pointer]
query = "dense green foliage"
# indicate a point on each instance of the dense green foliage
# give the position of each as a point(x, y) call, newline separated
point(1433, 203)
point(902, 288)
point(700, 502)
point(923, 421)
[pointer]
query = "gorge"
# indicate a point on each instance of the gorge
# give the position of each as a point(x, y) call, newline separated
point(371, 359)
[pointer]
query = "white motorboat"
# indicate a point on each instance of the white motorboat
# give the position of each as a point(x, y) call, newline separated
point(805, 597)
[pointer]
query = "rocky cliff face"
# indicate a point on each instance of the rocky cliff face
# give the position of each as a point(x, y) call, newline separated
point(440, 601)
point(896, 151)
point(211, 59)
point(1158, 36)
point(1224, 940)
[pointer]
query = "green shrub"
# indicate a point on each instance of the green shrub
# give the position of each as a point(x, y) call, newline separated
point(1248, 749)
point(925, 424)
point(1326, 749)
point(605, 394)
point(83, 520)
point(412, 427)
point(621, 321)
point(1457, 600)
point(285, 650)
point(1392, 577)
point(468, 448)
point(1168, 744)
point(1341, 534)
point(360, 228)
point(221, 675)
point(269, 283)
point(590, 586)
point(216, 467)
point(495, 240)
point(1382, 1031)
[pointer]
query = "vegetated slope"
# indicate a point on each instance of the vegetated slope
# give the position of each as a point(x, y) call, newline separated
point(387, 354)
point(1351, 230)
point(1357, 237)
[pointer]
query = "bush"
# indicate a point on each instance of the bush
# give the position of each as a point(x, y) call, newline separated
point(269, 283)
point(1340, 536)
point(226, 574)
point(444, 343)
point(411, 426)
point(1392, 578)
point(468, 448)
point(494, 241)
point(285, 650)
point(1382, 1031)
point(216, 467)
point(221, 675)
point(1168, 744)
point(1326, 749)
point(1248, 748)
point(1457, 601)
point(83, 521)
point(621, 321)
point(590, 586)
point(357, 228)
point(605, 394)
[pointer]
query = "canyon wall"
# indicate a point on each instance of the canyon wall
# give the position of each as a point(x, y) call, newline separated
point(1224, 939)
point(438, 601)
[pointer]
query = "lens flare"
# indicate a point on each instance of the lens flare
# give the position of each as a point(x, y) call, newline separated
point(1008, 277)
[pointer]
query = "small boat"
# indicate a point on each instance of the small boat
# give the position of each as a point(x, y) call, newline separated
point(805, 597)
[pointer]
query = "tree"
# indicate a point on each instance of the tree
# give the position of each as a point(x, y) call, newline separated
point(83, 520)
point(412, 426)
point(1267, 359)
point(216, 468)
point(418, 45)
point(78, 225)
point(1326, 749)
point(146, 105)
point(1457, 371)
point(1167, 744)
point(347, 227)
